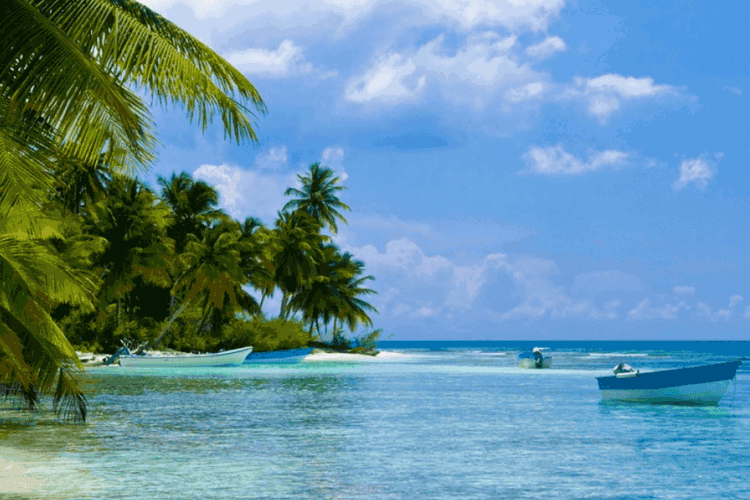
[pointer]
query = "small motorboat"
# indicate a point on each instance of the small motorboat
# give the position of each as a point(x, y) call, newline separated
point(235, 357)
point(533, 359)
point(286, 356)
point(699, 385)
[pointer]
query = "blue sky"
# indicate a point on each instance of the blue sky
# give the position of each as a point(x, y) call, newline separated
point(525, 169)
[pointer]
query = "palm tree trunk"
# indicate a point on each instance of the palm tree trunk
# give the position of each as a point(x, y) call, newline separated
point(284, 299)
point(169, 323)
point(206, 312)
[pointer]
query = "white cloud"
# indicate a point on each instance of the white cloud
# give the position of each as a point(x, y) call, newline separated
point(722, 314)
point(556, 161)
point(698, 171)
point(485, 64)
point(333, 158)
point(683, 290)
point(546, 48)
point(259, 191)
point(734, 300)
point(644, 311)
point(605, 94)
point(384, 81)
point(512, 14)
point(287, 60)
point(274, 160)
point(525, 92)
point(733, 90)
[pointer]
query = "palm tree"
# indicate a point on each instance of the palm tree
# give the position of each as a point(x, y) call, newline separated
point(215, 277)
point(67, 73)
point(79, 182)
point(295, 248)
point(333, 291)
point(318, 196)
point(75, 62)
point(193, 206)
point(133, 222)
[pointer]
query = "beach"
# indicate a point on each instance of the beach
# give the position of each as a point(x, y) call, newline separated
point(433, 422)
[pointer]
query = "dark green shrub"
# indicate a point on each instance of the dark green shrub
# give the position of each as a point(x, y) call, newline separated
point(263, 335)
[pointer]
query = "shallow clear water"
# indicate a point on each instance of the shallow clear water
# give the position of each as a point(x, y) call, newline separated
point(441, 421)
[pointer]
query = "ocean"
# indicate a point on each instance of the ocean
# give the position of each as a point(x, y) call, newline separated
point(423, 420)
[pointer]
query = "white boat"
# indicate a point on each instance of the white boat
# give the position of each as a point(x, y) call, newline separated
point(234, 357)
point(527, 359)
point(700, 385)
point(286, 356)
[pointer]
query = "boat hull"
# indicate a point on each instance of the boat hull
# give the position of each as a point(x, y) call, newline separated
point(702, 385)
point(288, 356)
point(234, 357)
point(526, 359)
point(531, 363)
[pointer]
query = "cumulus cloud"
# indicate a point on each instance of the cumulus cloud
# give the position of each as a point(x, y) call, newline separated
point(485, 63)
point(644, 310)
point(705, 311)
point(418, 283)
point(533, 90)
point(697, 171)
point(540, 297)
point(605, 94)
point(683, 290)
point(258, 191)
point(546, 48)
point(555, 161)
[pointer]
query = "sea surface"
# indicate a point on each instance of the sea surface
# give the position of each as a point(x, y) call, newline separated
point(422, 420)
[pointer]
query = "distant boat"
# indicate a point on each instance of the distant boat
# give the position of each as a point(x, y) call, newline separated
point(286, 356)
point(700, 385)
point(234, 357)
point(526, 359)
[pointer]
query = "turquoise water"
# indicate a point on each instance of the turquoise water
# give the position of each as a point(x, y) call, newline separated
point(422, 421)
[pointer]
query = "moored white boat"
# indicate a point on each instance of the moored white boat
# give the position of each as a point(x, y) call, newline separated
point(700, 385)
point(234, 357)
point(527, 359)
point(285, 356)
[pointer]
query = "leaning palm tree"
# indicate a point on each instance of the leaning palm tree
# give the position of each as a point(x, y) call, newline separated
point(318, 196)
point(69, 72)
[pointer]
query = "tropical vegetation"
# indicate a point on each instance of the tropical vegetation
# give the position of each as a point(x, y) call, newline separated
point(91, 257)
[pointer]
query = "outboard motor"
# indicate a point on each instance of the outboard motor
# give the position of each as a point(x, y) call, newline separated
point(122, 351)
point(538, 359)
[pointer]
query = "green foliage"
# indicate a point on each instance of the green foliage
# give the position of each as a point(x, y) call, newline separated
point(264, 335)
point(368, 342)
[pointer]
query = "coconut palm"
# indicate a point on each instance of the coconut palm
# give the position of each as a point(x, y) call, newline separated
point(295, 248)
point(318, 196)
point(133, 222)
point(193, 205)
point(333, 292)
point(215, 277)
point(68, 70)
point(76, 62)
point(79, 182)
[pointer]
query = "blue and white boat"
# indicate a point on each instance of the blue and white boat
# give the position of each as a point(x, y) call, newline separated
point(528, 359)
point(286, 356)
point(700, 385)
point(234, 357)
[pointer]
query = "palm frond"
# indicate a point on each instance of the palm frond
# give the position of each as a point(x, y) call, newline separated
point(69, 402)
